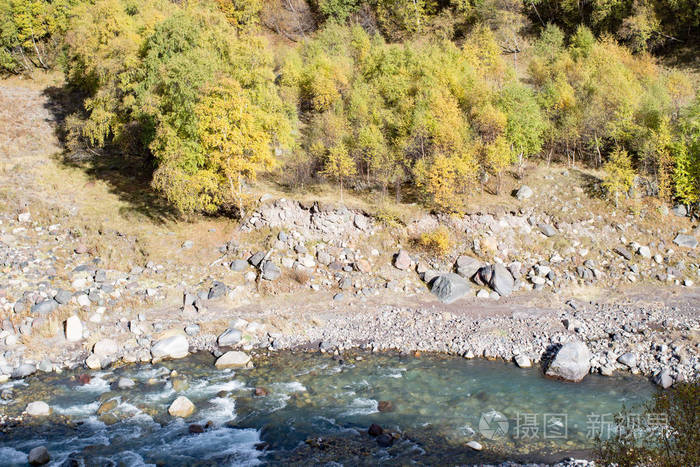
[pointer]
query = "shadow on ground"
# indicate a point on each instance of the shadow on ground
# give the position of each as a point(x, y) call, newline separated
point(128, 177)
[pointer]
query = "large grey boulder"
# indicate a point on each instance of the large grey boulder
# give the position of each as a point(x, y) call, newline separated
point(687, 241)
point(402, 260)
point(663, 379)
point(217, 290)
point(548, 230)
point(449, 287)
point(45, 307)
point(571, 363)
point(679, 210)
point(467, 266)
point(239, 265)
point(171, 347)
point(501, 280)
point(229, 338)
point(38, 409)
point(105, 348)
point(63, 296)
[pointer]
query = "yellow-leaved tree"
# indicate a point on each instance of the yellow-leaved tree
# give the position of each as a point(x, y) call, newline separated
point(619, 174)
point(234, 133)
point(339, 165)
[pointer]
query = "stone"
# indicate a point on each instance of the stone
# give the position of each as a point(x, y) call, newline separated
point(217, 290)
point(260, 392)
point(502, 280)
point(385, 406)
point(323, 258)
point(105, 348)
point(624, 252)
point(192, 329)
point(362, 265)
point(375, 430)
point(644, 252)
point(38, 456)
point(45, 307)
point(385, 440)
point(687, 241)
point(679, 210)
point(402, 260)
point(93, 362)
point(239, 265)
point(232, 359)
point(361, 222)
point(628, 359)
point(229, 337)
point(467, 266)
point(125, 383)
point(83, 300)
point(449, 287)
point(475, 445)
point(187, 244)
point(24, 217)
point(548, 230)
point(196, 429)
point(181, 407)
point(38, 409)
point(270, 271)
point(171, 347)
point(483, 293)
point(338, 297)
point(107, 406)
point(571, 363)
point(63, 296)
point(24, 370)
point(256, 258)
point(524, 192)
point(523, 361)
point(663, 379)
point(483, 275)
point(74, 329)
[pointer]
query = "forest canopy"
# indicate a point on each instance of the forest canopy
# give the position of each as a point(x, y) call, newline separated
point(423, 99)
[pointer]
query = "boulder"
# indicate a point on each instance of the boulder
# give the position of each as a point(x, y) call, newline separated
point(239, 265)
point(663, 379)
point(475, 445)
point(629, 359)
point(361, 222)
point(170, 347)
point(74, 329)
point(24, 370)
point(217, 290)
point(449, 287)
point(548, 230)
point(229, 338)
point(38, 409)
point(687, 241)
point(257, 258)
point(125, 383)
point(181, 407)
point(679, 210)
point(38, 456)
point(93, 362)
point(524, 192)
point(644, 252)
point(501, 280)
point(362, 265)
point(270, 271)
point(232, 359)
point(63, 296)
point(45, 307)
point(624, 252)
point(402, 260)
point(105, 348)
point(467, 266)
point(523, 361)
point(375, 430)
point(571, 363)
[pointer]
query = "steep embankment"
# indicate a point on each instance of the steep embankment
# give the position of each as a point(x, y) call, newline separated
point(87, 238)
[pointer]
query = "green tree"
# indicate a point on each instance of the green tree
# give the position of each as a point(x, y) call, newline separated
point(619, 174)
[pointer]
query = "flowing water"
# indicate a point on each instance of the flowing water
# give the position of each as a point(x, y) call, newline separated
point(317, 410)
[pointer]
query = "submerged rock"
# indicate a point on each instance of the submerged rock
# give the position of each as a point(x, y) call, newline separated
point(232, 359)
point(375, 430)
point(449, 287)
point(571, 363)
point(181, 407)
point(38, 409)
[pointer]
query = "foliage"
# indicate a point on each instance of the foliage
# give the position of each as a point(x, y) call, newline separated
point(31, 32)
point(677, 443)
point(437, 241)
point(619, 174)
point(153, 78)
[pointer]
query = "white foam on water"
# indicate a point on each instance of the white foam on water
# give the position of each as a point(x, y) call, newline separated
point(293, 386)
point(362, 406)
point(10, 456)
point(323, 366)
point(223, 410)
point(12, 383)
point(394, 373)
point(204, 387)
point(97, 384)
point(78, 410)
point(239, 444)
point(130, 459)
point(164, 395)
point(148, 373)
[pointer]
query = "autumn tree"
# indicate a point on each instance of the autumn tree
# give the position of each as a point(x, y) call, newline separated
point(619, 174)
